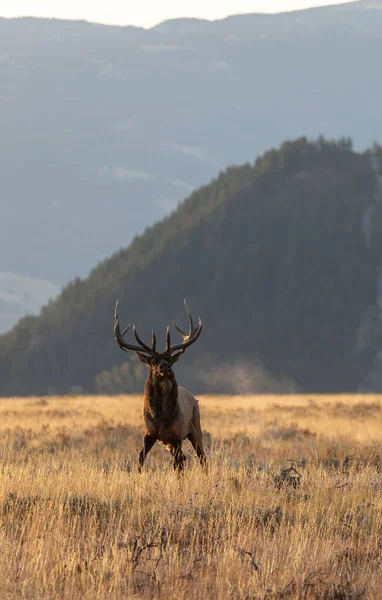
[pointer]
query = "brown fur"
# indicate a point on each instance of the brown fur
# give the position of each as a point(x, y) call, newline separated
point(160, 400)
point(171, 415)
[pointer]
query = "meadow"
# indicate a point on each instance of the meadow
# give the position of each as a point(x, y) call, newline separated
point(290, 505)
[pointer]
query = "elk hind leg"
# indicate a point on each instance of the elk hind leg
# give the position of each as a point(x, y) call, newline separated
point(148, 443)
point(195, 437)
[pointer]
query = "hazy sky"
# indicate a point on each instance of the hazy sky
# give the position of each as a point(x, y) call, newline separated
point(147, 13)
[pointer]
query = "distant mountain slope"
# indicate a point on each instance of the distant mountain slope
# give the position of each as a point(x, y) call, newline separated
point(22, 295)
point(281, 260)
point(105, 129)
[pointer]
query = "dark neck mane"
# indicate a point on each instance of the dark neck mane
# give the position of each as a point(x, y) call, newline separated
point(161, 398)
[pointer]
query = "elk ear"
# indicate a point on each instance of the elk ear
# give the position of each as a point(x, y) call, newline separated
point(145, 359)
point(176, 357)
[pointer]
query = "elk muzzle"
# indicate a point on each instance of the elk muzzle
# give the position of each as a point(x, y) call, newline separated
point(165, 369)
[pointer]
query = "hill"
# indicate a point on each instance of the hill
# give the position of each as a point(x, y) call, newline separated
point(22, 295)
point(281, 259)
point(99, 121)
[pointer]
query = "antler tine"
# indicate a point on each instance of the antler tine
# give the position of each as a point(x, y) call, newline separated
point(168, 340)
point(125, 330)
point(193, 333)
point(147, 348)
point(119, 336)
point(178, 329)
point(190, 325)
point(153, 342)
point(190, 322)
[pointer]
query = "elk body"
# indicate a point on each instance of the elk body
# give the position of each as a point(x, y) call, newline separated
point(171, 413)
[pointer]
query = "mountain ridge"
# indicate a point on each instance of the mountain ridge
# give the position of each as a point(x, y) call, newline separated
point(343, 6)
point(98, 120)
point(21, 295)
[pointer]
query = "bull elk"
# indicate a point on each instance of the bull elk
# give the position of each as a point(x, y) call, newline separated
point(171, 413)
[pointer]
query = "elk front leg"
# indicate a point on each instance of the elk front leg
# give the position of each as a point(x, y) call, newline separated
point(148, 443)
point(179, 458)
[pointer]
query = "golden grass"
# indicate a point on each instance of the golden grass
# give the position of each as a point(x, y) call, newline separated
point(78, 521)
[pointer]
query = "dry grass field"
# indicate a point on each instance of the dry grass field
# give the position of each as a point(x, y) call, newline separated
point(78, 521)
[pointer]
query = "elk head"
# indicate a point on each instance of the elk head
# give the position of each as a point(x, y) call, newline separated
point(160, 363)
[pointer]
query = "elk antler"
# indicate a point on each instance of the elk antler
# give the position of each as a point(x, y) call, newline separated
point(124, 345)
point(189, 338)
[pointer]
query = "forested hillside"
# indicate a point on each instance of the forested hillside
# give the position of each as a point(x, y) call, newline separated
point(281, 260)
